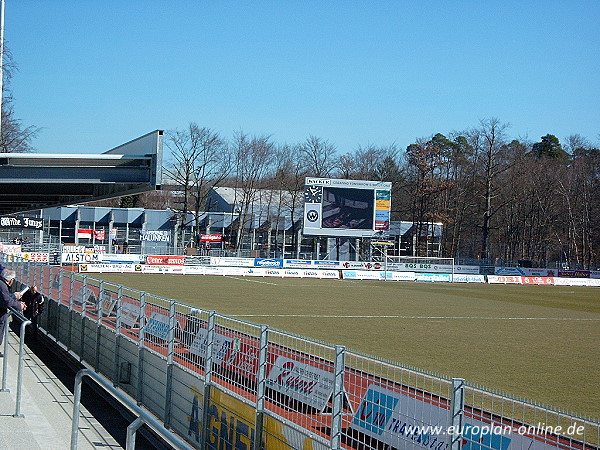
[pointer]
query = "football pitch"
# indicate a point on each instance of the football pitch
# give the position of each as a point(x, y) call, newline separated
point(539, 343)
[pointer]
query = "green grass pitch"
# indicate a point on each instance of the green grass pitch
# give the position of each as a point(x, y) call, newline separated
point(535, 342)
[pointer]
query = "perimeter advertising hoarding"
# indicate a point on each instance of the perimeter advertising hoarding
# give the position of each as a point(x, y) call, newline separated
point(346, 208)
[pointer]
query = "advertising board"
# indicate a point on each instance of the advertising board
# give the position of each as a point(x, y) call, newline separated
point(410, 422)
point(165, 260)
point(78, 258)
point(303, 382)
point(232, 262)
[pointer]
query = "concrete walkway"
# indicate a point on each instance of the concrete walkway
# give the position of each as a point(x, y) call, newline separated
point(47, 405)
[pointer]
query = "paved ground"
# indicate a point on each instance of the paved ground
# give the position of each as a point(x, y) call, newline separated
point(47, 405)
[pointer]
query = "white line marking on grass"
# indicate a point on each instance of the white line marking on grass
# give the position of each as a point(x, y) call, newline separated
point(414, 317)
point(255, 281)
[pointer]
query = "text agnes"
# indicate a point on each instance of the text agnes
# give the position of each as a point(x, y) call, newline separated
point(225, 430)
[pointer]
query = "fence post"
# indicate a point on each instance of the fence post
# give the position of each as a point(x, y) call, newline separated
point(99, 325)
point(142, 337)
point(208, 362)
point(5, 359)
point(117, 372)
point(20, 372)
point(171, 351)
point(338, 397)
point(83, 306)
point(261, 386)
point(458, 403)
point(59, 302)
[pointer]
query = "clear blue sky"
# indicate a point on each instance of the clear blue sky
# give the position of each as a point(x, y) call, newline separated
point(95, 74)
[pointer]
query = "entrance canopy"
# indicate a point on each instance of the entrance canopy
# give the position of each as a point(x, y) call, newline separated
point(30, 181)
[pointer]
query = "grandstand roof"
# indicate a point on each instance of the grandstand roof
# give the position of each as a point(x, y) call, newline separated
point(31, 181)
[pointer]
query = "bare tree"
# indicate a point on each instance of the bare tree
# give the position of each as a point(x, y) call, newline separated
point(14, 136)
point(319, 155)
point(488, 141)
point(252, 161)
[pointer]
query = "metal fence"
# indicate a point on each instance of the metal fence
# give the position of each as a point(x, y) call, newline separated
point(221, 382)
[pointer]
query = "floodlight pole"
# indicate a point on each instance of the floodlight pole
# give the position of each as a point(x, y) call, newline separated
point(1, 61)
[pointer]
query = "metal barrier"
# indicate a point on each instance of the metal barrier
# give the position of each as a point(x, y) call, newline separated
point(223, 382)
point(144, 417)
point(24, 323)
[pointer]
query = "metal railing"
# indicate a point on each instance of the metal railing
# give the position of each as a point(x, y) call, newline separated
point(143, 416)
point(219, 380)
point(24, 323)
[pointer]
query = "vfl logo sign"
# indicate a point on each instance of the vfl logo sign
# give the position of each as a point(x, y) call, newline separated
point(312, 215)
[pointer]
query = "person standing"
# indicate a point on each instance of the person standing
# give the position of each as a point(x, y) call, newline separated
point(34, 303)
point(7, 300)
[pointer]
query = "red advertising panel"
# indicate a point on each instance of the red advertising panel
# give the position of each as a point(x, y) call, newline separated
point(537, 280)
point(168, 260)
point(211, 238)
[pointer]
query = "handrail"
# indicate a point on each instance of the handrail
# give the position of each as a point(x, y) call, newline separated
point(144, 417)
point(24, 323)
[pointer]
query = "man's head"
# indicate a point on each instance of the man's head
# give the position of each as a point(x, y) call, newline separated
point(9, 276)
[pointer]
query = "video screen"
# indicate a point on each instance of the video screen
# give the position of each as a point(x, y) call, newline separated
point(347, 208)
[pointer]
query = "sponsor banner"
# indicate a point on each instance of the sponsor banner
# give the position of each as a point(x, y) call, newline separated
point(266, 262)
point(466, 278)
point(155, 235)
point(110, 268)
point(211, 238)
point(232, 262)
point(158, 326)
point(226, 412)
point(165, 260)
point(123, 258)
point(353, 265)
point(10, 249)
point(433, 268)
point(525, 271)
point(593, 282)
point(274, 272)
point(221, 347)
point(21, 222)
point(571, 281)
point(36, 257)
point(410, 422)
point(594, 273)
point(305, 383)
point(574, 273)
point(256, 272)
point(108, 300)
point(326, 263)
point(163, 269)
point(130, 314)
point(74, 249)
point(214, 271)
point(292, 273)
point(397, 276)
point(360, 275)
point(235, 271)
point(501, 279)
point(299, 263)
point(537, 280)
point(78, 258)
point(446, 277)
point(194, 270)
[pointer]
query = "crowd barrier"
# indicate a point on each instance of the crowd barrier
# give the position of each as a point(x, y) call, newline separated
point(221, 382)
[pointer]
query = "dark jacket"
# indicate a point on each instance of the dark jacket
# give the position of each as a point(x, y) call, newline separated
point(34, 302)
point(7, 299)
